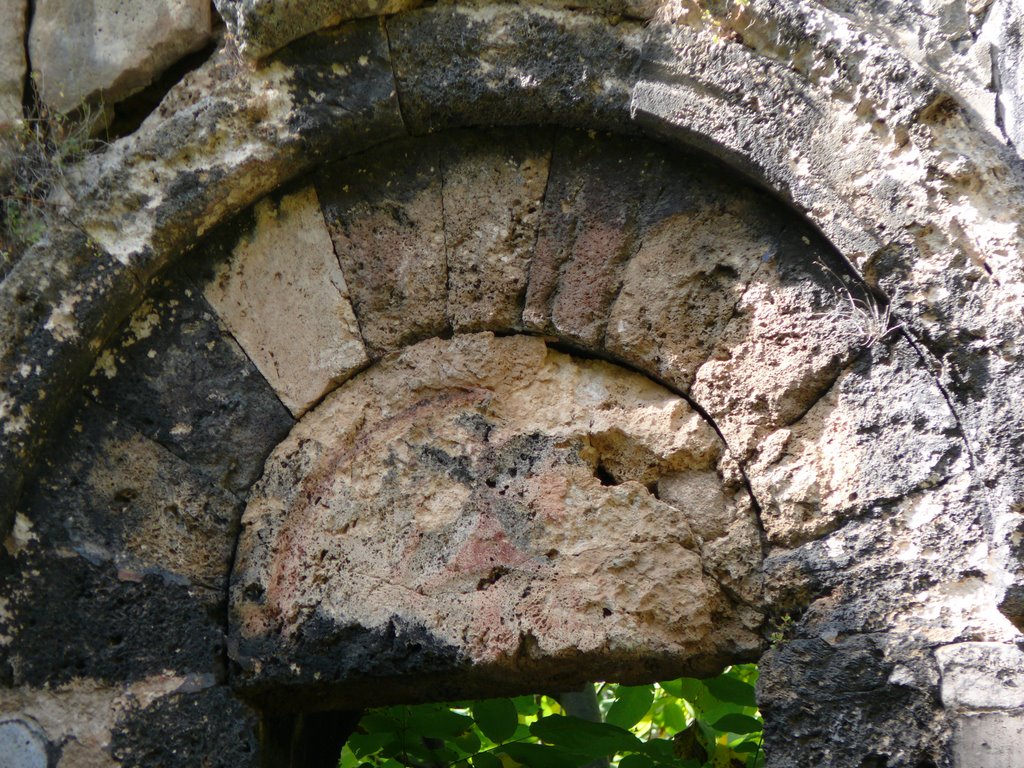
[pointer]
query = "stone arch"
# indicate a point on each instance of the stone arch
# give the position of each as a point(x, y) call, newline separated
point(141, 206)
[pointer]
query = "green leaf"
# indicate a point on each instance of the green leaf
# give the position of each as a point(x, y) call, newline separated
point(684, 688)
point(439, 722)
point(632, 704)
point(365, 744)
point(486, 760)
point(468, 742)
point(584, 737)
point(497, 718)
point(737, 723)
point(674, 717)
point(542, 756)
point(636, 761)
point(526, 705)
point(733, 690)
point(663, 752)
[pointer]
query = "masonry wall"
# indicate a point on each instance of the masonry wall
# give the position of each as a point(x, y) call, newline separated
point(374, 333)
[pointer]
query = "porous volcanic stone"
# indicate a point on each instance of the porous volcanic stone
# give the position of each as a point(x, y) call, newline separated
point(493, 188)
point(882, 432)
point(262, 26)
point(588, 233)
point(110, 47)
point(284, 298)
point(484, 512)
point(384, 212)
point(178, 377)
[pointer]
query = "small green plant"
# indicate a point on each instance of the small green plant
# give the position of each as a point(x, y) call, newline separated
point(682, 723)
point(782, 630)
point(34, 156)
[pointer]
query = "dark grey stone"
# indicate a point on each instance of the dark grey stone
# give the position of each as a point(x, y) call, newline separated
point(512, 65)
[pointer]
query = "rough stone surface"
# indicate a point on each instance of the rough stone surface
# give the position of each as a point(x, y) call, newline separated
point(587, 233)
point(386, 219)
point(989, 740)
point(177, 376)
point(1005, 31)
point(12, 61)
point(872, 119)
point(508, 64)
point(284, 298)
point(109, 48)
point(882, 432)
point(492, 202)
point(491, 502)
point(262, 26)
point(981, 676)
point(22, 745)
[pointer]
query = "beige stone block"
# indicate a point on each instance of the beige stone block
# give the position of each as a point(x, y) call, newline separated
point(990, 740)
point(110, 47)
point(679, 290)
point(284, 298)
point(12, 59)
point(981, 676)
point(492, 493)
point(493, 189)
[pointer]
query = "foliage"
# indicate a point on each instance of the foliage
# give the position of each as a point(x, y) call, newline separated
point(33, 157)
point(683, 723)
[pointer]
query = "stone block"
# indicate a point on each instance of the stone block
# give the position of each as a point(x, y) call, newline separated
point(22, 744)
point(285, 300)
point(791, 333)
point(881, 432)
point(989, 740)
point(493, 188)
point(262, 26)
point(981, 676)
point(512, 63)
point(12, 61)
point(384, 212)
point(110, 48)
point(489, 506)
point(588, 233)
point(178, 377)
point(701, 242)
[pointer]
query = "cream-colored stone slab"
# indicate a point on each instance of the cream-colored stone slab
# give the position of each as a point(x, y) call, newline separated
point(12, 60)
point(284, 298)
point(493, 492)
point(110, 47)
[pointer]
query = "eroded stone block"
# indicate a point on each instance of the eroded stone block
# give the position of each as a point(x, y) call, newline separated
point(698, 252)
point(981, 676)
point(385, 216)
point(989, 740)
point(588, 233)
point(485, 512)
point(262, 26)
point(881, 432)
point(285, 300)
point(110, 47)
point(493, 188)
point(178, 377)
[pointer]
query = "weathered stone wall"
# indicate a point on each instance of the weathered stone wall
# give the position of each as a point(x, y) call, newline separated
point(304, 408)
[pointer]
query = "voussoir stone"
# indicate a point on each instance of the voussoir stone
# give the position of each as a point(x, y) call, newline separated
point(109, 48)
point(284, 297)
point(484, 512)
point(262, 26)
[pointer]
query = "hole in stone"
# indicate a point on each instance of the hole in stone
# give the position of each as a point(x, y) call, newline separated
point(492, 577)
point(602, 474)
